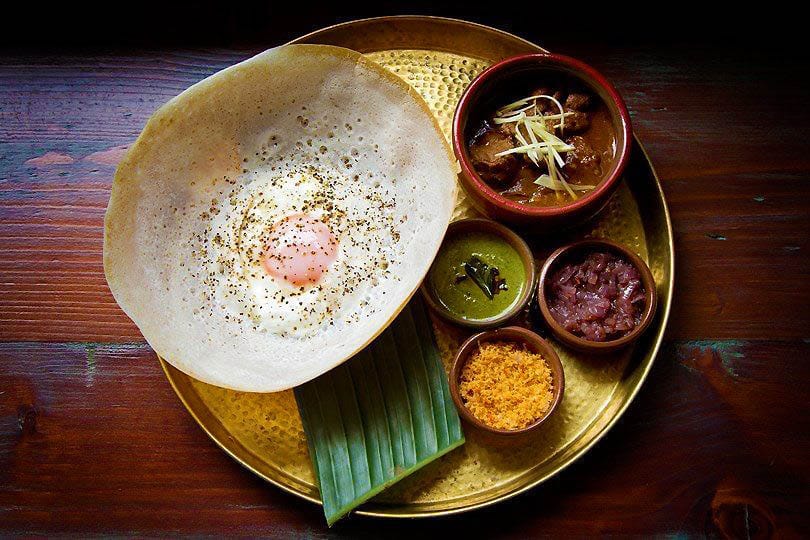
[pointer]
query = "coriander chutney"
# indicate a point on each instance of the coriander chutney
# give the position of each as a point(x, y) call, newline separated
point(477, 275)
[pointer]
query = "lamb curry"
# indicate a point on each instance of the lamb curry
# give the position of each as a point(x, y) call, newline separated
point(545, 149)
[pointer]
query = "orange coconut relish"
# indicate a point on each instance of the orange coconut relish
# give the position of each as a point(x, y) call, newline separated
point(506, 386)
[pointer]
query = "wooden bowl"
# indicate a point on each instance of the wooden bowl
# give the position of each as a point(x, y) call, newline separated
point(535, 344)
point(500, 77)
point(578, 248)
point(485, 225)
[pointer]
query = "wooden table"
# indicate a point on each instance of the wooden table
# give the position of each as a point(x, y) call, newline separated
point(94, 441)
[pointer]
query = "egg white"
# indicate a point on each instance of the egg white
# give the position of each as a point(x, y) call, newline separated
point(363, 227)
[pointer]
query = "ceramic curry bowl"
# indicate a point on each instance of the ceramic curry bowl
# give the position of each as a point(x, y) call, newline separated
point(484, 179)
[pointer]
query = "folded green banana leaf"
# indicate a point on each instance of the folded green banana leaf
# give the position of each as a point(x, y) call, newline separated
point(379, 416)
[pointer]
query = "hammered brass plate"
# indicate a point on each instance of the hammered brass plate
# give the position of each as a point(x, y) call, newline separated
point(439, 57)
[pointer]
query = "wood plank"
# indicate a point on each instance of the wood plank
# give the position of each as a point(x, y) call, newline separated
point(93, 441)
point(740, 202)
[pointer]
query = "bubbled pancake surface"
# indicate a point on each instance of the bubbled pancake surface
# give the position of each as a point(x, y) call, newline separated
point(216, 165)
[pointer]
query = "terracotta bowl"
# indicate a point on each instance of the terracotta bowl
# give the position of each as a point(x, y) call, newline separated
point(534, 343)
point(498, 80)
point(485, 225)
point(578, 248)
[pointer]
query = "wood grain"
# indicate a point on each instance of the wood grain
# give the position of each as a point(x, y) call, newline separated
point(93, 440)
point(738, 202)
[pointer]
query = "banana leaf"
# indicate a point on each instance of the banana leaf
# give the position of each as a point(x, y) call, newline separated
point(379, 416)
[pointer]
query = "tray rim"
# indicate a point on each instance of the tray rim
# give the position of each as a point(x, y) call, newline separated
point(247, 458)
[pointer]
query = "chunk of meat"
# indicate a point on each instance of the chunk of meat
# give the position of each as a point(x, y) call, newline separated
point(523, 186)
point(576, 122)
point(577, 101)
point(490, 166)
point(510, 129)
point(546, 106)
point(583, 156)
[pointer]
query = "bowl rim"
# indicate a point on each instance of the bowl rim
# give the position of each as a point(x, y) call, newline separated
point(547, 60)
point(529, 266)
point(516, 334)
point(582, 344)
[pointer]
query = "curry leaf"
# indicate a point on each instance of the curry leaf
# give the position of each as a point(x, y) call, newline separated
point(485, 276)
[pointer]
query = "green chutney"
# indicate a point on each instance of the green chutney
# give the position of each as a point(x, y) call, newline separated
point(458, 292)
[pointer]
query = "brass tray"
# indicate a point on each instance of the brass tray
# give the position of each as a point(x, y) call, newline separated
point(439, 57)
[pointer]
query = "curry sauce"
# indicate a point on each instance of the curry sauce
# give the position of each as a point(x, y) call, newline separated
point(559, 126)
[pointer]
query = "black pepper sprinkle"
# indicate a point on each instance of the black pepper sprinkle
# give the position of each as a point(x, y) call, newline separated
point(239, 247)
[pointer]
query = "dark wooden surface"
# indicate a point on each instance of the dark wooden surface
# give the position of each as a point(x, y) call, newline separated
point(93, 440)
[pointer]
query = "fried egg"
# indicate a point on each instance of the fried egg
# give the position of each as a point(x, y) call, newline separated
point(295, 248)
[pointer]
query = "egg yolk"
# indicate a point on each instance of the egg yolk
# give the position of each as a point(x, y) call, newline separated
point(299, 249)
